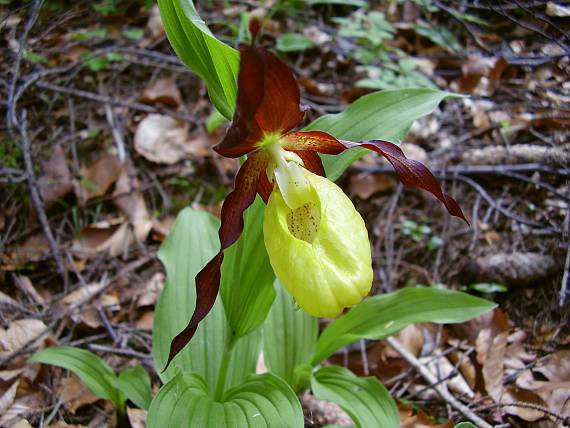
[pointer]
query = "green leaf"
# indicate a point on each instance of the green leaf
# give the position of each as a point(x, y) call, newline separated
point(214, 121)
point(385, 115)
point(95, 373)
point(191, 243)
point(82, 36)
point(247, 277)
point(260, 401)
point(289, 337)
point(291, 42)
point(355, 3)
point(384, 315)
point(365, 399)
point(134, 34)
point(135, 383)
point(215, 62)
point(465, 425)
point(35, 57)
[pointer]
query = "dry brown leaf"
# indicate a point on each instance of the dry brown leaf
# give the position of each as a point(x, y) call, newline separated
point(137, 417)
point(22, 423)
point(26, 285)
point(151, 291)
point(130, 201)
point(74, 394)
point(56, 179)
point(557, 10)
point(162, 91)
point(160, 228)
point(146, 321)
point(514, 395)
point(34, 249)
point(98, 177)
point(366, 184)
point(7, 300)
point(89, 316)
point(161, 139)
point(154, 24)
point(440, 366)
point(8, 397)
point(491, 344)
point(19, 333)
point(63, 424)
point(100, 237)
point(412, 339)
point(409, 418)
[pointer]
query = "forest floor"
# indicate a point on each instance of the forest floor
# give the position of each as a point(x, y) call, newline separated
point(106, 136)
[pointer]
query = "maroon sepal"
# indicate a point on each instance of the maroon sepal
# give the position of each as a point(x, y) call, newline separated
point(208, 279)
point(268, 101)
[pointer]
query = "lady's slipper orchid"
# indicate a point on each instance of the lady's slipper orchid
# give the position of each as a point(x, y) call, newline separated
point(316, 241)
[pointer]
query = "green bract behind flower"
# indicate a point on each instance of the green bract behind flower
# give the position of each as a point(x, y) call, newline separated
point(320, 251)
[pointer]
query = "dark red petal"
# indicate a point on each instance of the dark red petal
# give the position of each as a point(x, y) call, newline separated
point(244, 133)
point(411, 173)
point(280, 110)
point(268, 101)
point(254, 26)
point(264, 186)
point(208, 279)
point(317, 141)
point(312, 161)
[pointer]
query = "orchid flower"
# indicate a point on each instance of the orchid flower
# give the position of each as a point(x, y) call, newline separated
point(316, 241)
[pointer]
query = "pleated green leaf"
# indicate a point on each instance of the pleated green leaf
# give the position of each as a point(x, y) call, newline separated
point(384, 315)
point(364, 399)
point(135, 383)
point(289, 337)
point(260, 401)
point(384, 115)
point(95, 373)
point(191, 243)
point(247, 278)
point(214, 61)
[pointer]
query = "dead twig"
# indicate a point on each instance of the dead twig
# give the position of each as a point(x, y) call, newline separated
point(433, 381)
point(113, 101)
point(37, 201)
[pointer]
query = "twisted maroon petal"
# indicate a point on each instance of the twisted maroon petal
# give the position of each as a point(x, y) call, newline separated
point(312, 161)
point(411, 173)
point(208, 279)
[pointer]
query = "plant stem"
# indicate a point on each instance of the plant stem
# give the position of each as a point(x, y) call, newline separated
point(220, 386)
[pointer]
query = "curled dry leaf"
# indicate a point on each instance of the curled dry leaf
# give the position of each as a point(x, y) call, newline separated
point(137, 417)
point(8, 397)
point(481, 74)
point(150, 292)
point(74, 394)
point(130, 201)
point(440, 366)
point(491, 345)
point(56, 179)
point(98, 177)
point(366, 184)
point(19, 333)
point(89, 316)
point(161, 139)
point(25, 284)
point(162, 91)
point(410, 418)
